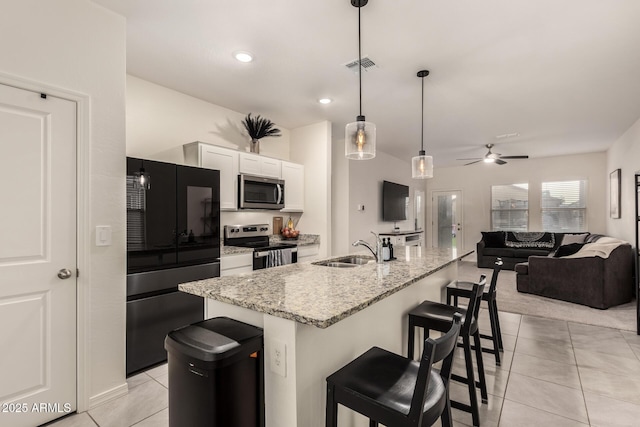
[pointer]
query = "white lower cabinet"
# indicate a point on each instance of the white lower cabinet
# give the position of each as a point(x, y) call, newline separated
point(308, 253)
point(236, 264)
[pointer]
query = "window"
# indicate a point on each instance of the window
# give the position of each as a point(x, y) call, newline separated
point(564, 206)
point(510, 207)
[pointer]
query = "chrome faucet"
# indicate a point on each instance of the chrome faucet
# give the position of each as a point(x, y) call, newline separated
point(377, 253)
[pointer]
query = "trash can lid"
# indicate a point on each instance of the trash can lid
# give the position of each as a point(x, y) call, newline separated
point(217, 339)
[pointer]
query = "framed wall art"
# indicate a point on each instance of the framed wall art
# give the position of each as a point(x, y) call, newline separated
point(614, 194)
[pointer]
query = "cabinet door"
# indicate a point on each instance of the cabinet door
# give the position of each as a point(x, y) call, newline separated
point(253, 164)
point(250, 164)
point(293, 176)
point(270, 167)
point(226, 161)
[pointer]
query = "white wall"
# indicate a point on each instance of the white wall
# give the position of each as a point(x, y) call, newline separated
point(340, 204)
point(311, 146)
point(77, 46)
point(624, 154)
point(365, 188)
point(161, 120)
point(475, 182)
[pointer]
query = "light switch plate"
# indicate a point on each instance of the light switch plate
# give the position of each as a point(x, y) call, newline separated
point(279, 358)
point(103, 235)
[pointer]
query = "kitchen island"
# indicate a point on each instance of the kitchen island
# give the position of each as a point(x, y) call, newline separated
point(318, 318)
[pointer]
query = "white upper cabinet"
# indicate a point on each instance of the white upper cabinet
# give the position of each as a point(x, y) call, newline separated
point(254, 164)
point(293, 176)
point(232, 162)
point(223, 159)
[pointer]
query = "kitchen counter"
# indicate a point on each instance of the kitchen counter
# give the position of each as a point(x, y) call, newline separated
point(316, 319)
point(303, 240)
point(319, 295)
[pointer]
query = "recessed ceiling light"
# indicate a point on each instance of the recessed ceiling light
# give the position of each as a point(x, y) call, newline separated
point(325, 100)
point(243, 56)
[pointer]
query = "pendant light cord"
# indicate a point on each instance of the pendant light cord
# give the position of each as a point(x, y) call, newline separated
point(422, 127)
point(359, 61)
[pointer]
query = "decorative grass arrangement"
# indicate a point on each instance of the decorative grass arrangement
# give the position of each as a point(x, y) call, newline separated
point(259, 127)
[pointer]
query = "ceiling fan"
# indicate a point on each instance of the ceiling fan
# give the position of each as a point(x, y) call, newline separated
point(491, 157)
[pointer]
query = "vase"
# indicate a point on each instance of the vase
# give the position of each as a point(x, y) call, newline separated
point(254, 146)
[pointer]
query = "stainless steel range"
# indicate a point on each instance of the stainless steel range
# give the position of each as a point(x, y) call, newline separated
point(256, 236)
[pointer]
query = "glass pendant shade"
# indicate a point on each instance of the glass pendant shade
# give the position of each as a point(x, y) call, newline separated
point(360, 140)
point(422, 166)
point(142, 180)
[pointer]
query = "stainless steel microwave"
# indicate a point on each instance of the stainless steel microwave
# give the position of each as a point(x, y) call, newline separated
point(259, 192)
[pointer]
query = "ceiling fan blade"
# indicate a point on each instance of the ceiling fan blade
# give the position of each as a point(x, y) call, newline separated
point(472, 158)
point(467, 164)
point(514, 157)
point(499, 162)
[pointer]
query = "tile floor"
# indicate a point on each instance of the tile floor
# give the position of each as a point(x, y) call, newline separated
point(554, 373)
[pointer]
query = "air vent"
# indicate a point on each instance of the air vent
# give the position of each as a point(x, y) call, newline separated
point(367, 64)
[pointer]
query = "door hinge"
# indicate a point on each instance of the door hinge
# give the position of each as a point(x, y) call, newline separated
point(77, 272)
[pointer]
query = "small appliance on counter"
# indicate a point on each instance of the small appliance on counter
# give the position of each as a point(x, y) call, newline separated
point(173, 236)
point(265, 254)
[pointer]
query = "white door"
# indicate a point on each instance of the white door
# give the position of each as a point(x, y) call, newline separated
point(37, 257)
point(447, 229)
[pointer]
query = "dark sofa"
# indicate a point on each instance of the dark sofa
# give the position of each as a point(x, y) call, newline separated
point(514, 248)
point(589, 280)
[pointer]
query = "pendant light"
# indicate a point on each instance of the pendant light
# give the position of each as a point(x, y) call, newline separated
point(142, 180)
point(360, 136)
point(422, 165)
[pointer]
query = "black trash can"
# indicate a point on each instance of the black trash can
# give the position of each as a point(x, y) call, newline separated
point(216, 376)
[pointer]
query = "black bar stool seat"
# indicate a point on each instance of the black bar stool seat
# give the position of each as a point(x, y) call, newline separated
point(431, 315)
point(394, 390)
point(461, 289)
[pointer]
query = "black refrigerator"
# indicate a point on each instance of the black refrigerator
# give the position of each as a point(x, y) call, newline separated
point(173, 236)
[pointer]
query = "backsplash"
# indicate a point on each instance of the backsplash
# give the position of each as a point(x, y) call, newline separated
point(257, 217)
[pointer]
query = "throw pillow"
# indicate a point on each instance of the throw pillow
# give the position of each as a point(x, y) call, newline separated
point(568, 239)
point(570, 249)
point(493, 239)
point(593, 238)
point(514, 239)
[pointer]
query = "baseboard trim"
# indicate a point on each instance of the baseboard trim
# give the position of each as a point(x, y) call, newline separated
point(108, 395)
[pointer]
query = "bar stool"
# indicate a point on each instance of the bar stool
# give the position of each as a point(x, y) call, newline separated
point(463, 289)
point(436, 316)
point(394, 390)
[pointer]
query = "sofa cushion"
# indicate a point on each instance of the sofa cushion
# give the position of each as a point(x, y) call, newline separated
point(527, 252)
point(522, 268)
point(501, 252)
point(530, 240)
point(570, 249)
point(493, 239)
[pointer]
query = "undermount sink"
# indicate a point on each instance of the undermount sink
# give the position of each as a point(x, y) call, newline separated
point(346, 262)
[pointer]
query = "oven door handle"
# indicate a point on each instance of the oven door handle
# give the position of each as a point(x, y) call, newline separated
point(262, 254)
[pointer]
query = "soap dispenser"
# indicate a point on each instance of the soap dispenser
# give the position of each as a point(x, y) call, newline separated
point(385, 250)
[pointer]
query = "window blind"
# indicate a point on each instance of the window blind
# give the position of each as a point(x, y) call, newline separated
point(564, 206)
point(510, 207)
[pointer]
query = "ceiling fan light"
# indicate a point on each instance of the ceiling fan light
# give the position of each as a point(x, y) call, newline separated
point(422, 166)
point(489, 160)
point(360, 140)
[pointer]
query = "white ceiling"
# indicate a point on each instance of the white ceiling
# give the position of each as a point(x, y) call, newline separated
point(565, 74)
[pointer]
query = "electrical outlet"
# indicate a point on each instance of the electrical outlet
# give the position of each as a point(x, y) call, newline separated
point(279, 358)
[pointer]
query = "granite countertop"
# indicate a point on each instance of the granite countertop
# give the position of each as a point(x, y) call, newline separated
point(303, 240)
point(319, 295)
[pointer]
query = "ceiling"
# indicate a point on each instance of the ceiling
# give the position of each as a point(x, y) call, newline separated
point(564, 75)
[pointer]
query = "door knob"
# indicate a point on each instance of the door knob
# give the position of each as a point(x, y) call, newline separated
point(65, 273)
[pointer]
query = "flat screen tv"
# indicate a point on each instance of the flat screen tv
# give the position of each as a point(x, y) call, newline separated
point(394, 201)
